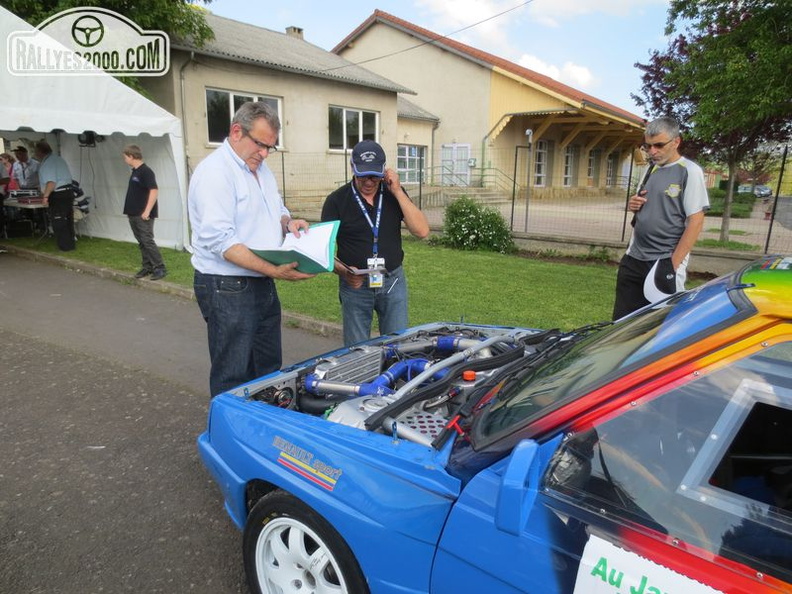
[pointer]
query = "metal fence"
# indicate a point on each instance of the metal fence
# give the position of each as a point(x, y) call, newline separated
point(585, 211)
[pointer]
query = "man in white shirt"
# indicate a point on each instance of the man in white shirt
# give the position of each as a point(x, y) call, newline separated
point(235, 206)
point(25, 170)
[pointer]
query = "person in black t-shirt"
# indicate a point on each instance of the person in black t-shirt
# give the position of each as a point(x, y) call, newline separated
point(373, 205)
point(141, 208)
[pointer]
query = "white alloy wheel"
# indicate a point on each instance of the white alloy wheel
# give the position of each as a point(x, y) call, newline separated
point(291, 558)
point(288, 548)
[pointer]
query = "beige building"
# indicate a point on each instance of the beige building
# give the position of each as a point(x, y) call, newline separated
point(326, 104)
point(497, 119)
point(446, 114)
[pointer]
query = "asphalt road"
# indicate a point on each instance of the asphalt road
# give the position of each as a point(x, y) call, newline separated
point(104, 391)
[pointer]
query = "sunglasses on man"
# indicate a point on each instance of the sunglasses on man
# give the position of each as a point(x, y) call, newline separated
point(655, 145)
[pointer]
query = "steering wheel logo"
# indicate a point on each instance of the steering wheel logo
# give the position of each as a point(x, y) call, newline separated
point(87, 31)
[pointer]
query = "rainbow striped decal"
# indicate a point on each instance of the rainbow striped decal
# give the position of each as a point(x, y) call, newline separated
point(769, 263)
point(769, 283)
point(303, 463)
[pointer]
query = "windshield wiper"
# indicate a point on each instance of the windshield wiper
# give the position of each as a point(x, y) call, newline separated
point(548, 344)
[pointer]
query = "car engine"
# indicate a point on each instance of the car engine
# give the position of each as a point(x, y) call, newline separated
point(411, 385)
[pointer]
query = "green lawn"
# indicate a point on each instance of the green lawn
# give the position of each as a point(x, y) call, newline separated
point(445, 284)
point(480, 287)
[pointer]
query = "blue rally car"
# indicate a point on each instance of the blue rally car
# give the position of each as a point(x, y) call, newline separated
point(652, 455)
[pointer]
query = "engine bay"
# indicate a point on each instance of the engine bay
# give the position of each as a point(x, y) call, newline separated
point(411, 386)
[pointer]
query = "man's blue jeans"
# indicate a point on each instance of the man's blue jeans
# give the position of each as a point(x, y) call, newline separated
point(358, 307)
point(243, 320)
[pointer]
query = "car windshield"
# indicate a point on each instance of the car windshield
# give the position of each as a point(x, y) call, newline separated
point(580, 363)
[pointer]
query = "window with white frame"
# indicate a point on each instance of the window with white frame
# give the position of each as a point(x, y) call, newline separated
point(349, 126)
point(570, 166)
point(221, 107)
point(541, 163)
point(410, 162)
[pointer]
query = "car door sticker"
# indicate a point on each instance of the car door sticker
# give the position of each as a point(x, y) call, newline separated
point(607, 569)
point(303, 463)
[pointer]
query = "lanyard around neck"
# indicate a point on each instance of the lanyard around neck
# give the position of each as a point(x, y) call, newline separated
point(375, 225)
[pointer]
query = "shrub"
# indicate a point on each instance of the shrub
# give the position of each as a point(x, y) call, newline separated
point(742, 204)
point(739, 210)
point(715, 193)
point(469, 226)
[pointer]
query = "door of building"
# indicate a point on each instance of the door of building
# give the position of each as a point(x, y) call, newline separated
point(455, 170)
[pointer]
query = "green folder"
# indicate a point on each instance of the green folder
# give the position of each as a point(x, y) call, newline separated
point(314, 251)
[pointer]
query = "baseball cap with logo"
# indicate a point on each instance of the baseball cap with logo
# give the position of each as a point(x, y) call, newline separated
point(368, 158)
point(660, 282)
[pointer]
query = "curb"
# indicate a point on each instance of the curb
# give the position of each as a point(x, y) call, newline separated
point(293, 320)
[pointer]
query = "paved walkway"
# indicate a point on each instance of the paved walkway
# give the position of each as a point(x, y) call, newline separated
point(290, 319)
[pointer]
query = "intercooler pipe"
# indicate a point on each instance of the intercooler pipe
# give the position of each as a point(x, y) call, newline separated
point(315, 385)
point(478, 347)
point(379, 386)
point(453, 366)
point(443, 343)
point(407, 368)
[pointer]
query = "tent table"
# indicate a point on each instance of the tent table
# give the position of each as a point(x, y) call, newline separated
point(40, 219)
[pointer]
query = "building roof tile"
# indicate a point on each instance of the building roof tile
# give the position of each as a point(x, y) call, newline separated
point(242, 42)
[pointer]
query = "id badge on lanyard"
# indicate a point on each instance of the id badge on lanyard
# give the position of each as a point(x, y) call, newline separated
point(375, 264)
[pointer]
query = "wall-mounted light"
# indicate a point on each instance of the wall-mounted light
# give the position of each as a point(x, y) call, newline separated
point(87, 138)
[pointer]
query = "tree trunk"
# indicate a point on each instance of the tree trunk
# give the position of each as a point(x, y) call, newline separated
point(727, 202)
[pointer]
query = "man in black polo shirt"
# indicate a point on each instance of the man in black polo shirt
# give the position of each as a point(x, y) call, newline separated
point(141, 208)
point(371, 209)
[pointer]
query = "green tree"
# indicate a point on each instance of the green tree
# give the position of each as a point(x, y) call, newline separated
point(726, 76)
point(759, 166)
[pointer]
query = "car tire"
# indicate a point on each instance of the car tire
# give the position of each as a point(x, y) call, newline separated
point(287, 548)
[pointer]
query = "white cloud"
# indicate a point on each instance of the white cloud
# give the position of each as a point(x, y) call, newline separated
point(488, 24)
point(451, 15)
point(540, 66)
point(553, 12)
point(569, 73)
point(448, 16)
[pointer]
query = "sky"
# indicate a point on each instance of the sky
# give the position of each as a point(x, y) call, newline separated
point(591, 45)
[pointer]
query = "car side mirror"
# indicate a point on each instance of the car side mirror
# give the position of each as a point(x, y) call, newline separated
point(518, 488)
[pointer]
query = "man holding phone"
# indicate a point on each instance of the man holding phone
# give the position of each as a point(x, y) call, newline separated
point(669, 215)
point(371, 209)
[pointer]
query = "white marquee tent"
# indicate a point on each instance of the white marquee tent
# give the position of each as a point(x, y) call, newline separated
point(59, 108)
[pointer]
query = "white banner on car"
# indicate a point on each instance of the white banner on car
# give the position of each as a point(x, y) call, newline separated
point(607, 569)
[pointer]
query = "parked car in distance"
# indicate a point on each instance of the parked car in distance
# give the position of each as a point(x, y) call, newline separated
point(649, 454)
point(745, 189)
point(763, 191)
